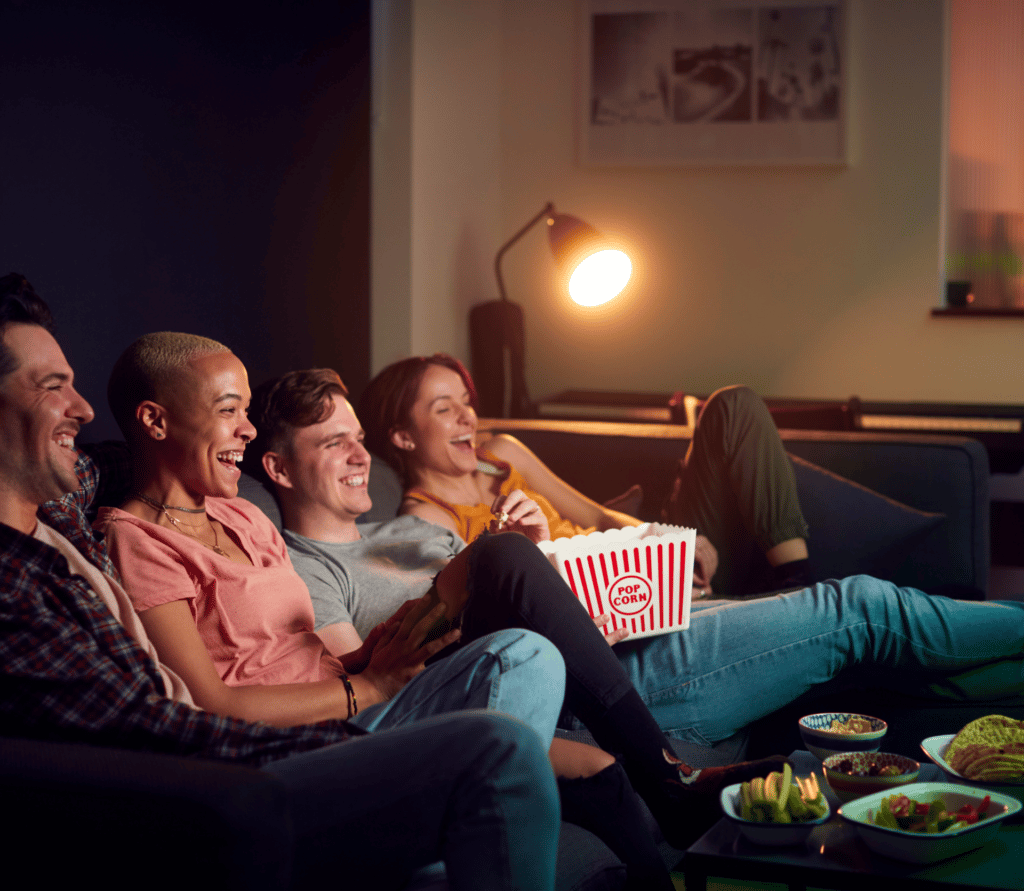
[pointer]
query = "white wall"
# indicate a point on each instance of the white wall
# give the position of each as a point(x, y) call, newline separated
point(985, 220)
point(798, 281)
point(440, 218)
point(391, 183)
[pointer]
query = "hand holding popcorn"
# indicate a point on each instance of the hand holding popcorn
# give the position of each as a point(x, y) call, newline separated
point(517, 513)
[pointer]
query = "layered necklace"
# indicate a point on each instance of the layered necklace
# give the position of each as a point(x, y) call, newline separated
point(187, 528)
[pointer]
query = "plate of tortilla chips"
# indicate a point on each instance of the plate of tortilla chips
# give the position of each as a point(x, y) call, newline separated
point(987, 753)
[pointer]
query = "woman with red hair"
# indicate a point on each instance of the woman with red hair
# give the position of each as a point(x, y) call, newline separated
point(736, 484)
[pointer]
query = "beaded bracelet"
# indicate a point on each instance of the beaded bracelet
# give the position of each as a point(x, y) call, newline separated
point(353, 706)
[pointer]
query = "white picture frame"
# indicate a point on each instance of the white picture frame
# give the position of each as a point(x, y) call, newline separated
point(703, 82)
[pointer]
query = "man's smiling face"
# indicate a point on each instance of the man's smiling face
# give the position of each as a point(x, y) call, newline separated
point(327, 466)
point(40, 415)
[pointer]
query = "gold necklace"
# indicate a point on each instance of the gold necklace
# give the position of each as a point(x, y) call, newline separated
point(159, 505)
point(178, 524)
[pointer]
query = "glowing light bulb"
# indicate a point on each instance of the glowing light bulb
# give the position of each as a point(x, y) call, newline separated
point(600, 277)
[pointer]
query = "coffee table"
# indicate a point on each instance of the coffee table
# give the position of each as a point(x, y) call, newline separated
point(835, 857)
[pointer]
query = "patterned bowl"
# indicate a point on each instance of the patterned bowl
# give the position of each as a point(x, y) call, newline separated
point(847, 787)
point(822, 742)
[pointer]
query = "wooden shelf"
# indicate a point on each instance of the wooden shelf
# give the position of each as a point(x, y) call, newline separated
point(980, 312)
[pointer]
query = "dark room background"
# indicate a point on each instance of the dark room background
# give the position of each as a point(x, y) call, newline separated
point(191, 167)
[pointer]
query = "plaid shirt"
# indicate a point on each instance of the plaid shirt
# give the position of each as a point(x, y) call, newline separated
point(72, 673)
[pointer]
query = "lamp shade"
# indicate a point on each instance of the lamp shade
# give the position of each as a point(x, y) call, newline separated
point(570, 237)
point(596, 272)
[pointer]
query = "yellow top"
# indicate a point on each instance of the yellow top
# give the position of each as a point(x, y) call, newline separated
point(472, 519)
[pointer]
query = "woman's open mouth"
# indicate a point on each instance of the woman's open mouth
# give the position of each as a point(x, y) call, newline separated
point(231, 459)
point(464, 443)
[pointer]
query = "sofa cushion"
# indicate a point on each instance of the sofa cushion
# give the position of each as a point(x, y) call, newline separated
point(854, 529)
point(385, 492)
point(942, 474)
point(251, 489)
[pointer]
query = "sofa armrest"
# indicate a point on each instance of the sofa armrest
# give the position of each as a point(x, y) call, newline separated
point(122, 819)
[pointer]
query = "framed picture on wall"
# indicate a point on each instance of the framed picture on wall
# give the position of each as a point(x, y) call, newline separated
point(672, 82)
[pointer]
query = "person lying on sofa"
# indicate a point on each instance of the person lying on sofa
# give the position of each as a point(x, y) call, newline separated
point(210, 577)
point(736, 485)
point(738, 661)
point(77, 667)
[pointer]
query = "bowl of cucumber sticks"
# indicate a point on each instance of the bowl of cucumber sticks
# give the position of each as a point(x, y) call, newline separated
point(779, 809)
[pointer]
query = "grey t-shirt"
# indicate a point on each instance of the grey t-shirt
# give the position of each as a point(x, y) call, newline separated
point(363, 582)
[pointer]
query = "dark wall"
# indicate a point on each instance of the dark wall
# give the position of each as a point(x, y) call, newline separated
point(191, 167)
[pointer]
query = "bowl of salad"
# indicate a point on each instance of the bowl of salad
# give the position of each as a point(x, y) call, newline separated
point(928, 822)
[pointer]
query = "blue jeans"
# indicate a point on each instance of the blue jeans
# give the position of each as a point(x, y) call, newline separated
point(741, 660)
point(513, 671)
point(473, 788)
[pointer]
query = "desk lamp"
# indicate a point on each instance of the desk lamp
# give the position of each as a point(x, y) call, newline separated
point(594, 273)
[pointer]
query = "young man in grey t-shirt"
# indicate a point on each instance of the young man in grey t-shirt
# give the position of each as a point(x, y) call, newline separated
point(359, 576)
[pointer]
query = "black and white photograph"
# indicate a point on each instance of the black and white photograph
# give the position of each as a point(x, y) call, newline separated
point(630, 76)
point(711, 66)
point(712, 81)
point(798, 70)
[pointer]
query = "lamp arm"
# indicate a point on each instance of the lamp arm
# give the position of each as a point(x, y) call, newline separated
point(548, 210)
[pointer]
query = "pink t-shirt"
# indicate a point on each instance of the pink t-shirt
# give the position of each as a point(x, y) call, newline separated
point(256, 621)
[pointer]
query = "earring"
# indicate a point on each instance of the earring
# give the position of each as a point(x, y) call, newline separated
point(159, 435)
point(408, 446)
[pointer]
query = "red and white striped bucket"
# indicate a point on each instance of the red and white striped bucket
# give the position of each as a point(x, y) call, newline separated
point(641, 576)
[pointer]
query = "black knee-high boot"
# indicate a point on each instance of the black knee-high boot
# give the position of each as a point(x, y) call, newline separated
point(606, 805)
point(679, 796)
point(514, 586)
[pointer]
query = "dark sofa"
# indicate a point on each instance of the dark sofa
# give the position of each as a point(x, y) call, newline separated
point(917, 510)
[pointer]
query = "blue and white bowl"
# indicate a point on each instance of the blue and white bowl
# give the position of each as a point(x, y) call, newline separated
point(821, 741)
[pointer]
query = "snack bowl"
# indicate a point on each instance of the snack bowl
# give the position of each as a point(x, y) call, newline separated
point(849, 787)
point(935, 748)
point(921, 847)
point(821, 741)
point(766, 833)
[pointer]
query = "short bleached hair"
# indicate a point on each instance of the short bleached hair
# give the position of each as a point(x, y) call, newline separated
point(148, 367)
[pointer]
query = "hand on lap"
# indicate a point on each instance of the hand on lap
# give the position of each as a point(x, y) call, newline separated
point(400, 652)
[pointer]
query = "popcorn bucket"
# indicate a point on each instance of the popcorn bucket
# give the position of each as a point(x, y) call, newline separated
point(641, 575)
